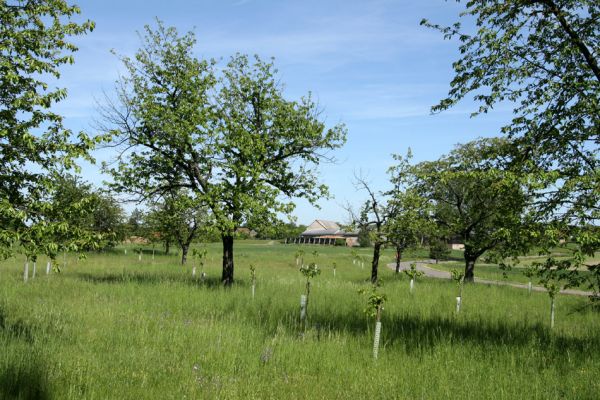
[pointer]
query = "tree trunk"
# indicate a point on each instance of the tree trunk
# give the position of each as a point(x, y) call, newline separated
point(375, 264)
point(167, 247)
point(469, 268)
point(227, 276)
point(184, 252)
point(398, 258)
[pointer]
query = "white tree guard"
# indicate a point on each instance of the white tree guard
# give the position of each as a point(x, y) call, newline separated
point(376, 339)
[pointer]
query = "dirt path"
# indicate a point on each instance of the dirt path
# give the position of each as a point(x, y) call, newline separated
point(425, 267)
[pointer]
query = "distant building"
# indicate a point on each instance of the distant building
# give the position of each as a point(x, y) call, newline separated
point(246, 232)
point(325, 232)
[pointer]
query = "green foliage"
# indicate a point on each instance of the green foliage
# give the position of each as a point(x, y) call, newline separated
point(407, 211)
point(476, 199)
point(299, 255)
point(375, 300)
point(34, 145)
point(413, 272)
point(136, 224)
point(200, 255)
point(364, 237)
point(459, 278)
point(439, 249)
point(85, 209)
point(530, 271)
point(227, 133)
point(542, 58)
point(177, 216)
point(310, 271)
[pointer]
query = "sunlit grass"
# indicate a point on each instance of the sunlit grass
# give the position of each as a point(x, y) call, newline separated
point(113, 327)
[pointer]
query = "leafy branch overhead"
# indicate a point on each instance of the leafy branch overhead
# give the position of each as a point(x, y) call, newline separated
point(35, 147)
point(541, 57)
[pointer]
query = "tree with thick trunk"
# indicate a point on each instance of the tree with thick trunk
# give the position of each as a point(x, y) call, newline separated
point(227, 275)
point(475, 198)
point(226, 134)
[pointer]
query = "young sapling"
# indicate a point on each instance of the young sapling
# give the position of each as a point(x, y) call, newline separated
point(354, 256)
point(553, 288)
point(413, 274)
point(253, 278)
point(334, 268)
point(201, 256)
point(529, 272)
point(459, 278)
point(309, 271)
point(299, 256)
point(375, 301)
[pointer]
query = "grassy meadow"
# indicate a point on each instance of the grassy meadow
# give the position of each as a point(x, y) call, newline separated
point(114, 327)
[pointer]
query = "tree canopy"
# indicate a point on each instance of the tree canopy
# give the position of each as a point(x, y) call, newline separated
point(475, 199)
point(541, 57)
point(34, 145)
point(229, 136)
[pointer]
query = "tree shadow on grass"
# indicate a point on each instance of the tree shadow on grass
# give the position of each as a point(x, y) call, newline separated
point(22, 376)
point(24, 380)
point(15, 329)
point(146, 278)
point(417, 333)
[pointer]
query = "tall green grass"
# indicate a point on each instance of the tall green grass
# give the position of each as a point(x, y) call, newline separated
point(111, 327)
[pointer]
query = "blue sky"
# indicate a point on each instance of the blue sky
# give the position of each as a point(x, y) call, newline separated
point(369, 64)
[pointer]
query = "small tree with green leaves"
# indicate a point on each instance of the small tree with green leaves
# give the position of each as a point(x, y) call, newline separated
point(200, 255)
point(309, 271)
point(413, 273)
point(459, 278)
point(374, 307)
point(354, 256)
point(299, 255)
point(552, 279)
point(553, 289)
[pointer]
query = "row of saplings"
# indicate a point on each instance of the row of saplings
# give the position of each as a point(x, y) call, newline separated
point(375, 300)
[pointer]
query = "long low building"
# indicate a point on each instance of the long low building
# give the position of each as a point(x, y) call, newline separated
point(325, 232)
